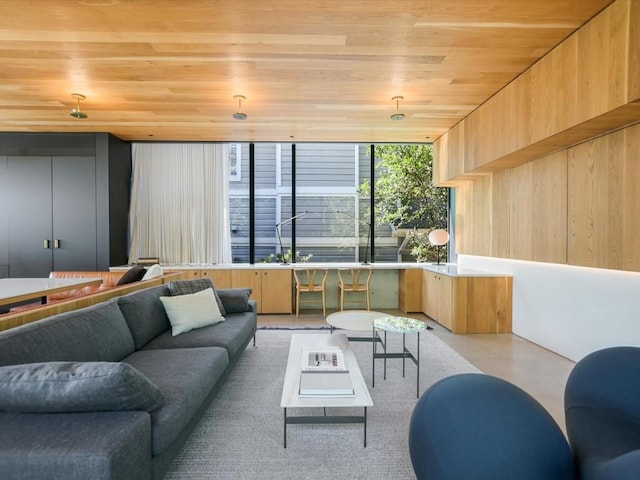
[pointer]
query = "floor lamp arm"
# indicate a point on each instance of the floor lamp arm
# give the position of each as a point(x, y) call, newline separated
point(284, 257)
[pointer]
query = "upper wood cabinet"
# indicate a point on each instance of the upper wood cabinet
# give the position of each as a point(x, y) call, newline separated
point(585, 87)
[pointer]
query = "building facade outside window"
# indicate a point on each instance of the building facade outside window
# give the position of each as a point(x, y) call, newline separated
point(333, 216)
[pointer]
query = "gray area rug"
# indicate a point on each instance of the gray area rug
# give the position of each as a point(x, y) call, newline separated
point(241, 436)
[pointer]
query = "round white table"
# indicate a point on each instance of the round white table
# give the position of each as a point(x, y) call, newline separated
point(357, 320)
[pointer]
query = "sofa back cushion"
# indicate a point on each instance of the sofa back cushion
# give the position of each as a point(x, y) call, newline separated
point(92, 334)
point(144, 313)
point(194, 285)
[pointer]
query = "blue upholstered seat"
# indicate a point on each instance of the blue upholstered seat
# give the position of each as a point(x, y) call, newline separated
point(475, 426)
point(602, 410)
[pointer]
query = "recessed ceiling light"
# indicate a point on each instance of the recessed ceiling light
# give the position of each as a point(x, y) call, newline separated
point(76, 113)
point(397, 116)
point(239, 115)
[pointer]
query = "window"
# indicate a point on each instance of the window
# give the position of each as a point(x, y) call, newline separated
point(235, 162)
point(332, 205)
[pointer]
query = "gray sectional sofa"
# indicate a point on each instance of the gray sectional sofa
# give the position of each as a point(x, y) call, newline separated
point(107, 392)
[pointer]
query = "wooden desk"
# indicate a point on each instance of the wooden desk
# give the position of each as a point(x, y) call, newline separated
point(15, 290)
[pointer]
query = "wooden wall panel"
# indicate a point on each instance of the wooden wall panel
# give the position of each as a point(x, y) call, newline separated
point(500, 218)
point(482, 215)
point(577, 205)
point(633, 78)
point(538, 210)
point(441, 160)
point(463, 217)
point(595, 202)
point(630, 195)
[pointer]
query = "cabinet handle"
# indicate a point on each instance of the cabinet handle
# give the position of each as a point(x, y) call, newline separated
point(46, 244)
point(56, 243)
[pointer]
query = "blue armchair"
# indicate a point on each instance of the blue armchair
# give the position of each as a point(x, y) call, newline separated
point(602, 411)
point(474, 426)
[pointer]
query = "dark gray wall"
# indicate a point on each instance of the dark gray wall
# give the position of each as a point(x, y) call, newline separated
point(4, 218)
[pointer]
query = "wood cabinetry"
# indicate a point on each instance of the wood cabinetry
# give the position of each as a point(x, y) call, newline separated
point(187, 274)
point(437, 300)
point(220, 278)
point(410, 290)
point(468, 304)
point(270, 288)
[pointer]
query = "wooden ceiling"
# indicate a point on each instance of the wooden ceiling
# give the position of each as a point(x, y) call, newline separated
point(320, 70)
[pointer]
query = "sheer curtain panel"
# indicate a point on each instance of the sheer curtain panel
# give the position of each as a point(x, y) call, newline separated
point(180, 203)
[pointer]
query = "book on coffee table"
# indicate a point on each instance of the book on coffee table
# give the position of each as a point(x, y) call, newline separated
point(322, 359)
point(326, 384)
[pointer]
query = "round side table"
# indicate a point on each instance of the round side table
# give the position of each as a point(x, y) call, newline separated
point(401, 325)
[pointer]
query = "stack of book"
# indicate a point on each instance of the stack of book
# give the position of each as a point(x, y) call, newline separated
point(323, 372)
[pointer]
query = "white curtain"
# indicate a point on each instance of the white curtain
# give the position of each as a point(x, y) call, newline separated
point(180, 203)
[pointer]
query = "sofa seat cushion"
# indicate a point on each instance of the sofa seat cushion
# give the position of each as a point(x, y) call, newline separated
point(185, 377)
point(76, 387)
point(232, 334)
point(76, 446)
point(98, 333)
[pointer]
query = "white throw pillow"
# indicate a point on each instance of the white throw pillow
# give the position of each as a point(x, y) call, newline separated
point(196, 310)
point(152, 272)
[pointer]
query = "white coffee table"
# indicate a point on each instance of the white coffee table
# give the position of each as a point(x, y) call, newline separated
point(290, 390)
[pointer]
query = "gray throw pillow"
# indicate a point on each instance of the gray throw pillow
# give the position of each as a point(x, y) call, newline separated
point(235, 300)
point(187, 287)
point(53, 387)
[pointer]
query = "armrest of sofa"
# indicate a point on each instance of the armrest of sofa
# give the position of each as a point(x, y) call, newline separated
point(253, 305)
point(70, 446)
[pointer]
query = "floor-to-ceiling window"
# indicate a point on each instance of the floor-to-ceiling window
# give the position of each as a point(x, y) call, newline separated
point(239, 201)
point(319, 185)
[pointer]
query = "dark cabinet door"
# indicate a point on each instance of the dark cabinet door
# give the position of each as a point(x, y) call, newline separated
point(74, 213)
point(52, 216)
point(30, 220)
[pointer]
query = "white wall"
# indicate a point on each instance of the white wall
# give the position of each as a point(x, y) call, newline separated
point(569, 310)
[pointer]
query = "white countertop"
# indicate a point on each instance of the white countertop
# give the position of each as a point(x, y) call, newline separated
point(451, 270)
